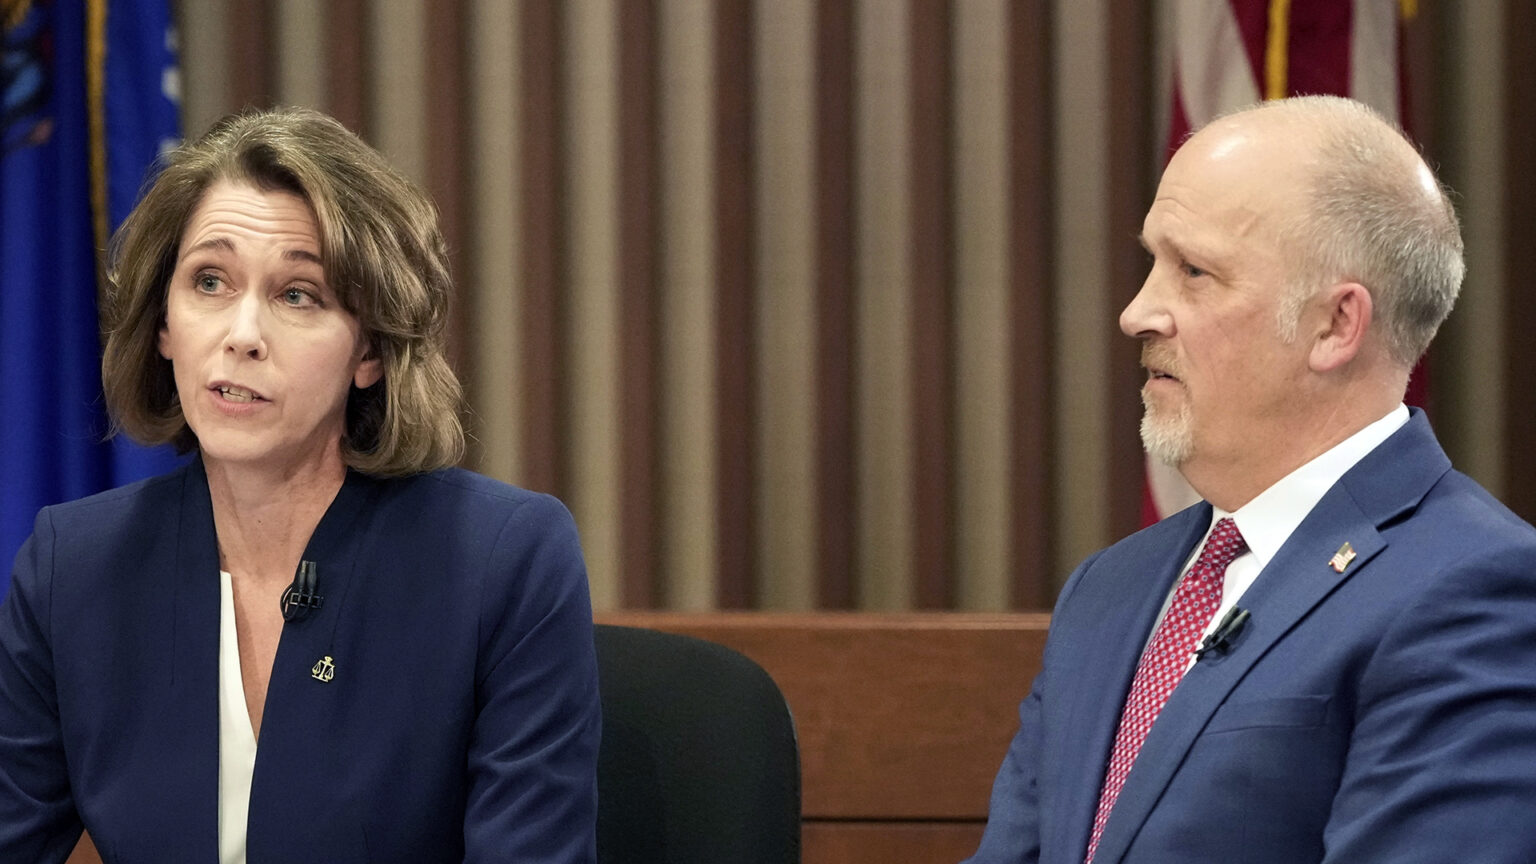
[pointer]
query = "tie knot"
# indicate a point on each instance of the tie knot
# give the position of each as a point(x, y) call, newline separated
point(1224, 544)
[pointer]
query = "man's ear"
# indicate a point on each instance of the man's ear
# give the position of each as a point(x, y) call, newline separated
point(1340, 337)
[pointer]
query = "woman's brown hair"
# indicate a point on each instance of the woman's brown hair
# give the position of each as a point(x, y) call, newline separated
point(383, 255)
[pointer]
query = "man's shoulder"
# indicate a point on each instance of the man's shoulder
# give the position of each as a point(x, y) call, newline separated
point(1412, 468)
point(1459, 506)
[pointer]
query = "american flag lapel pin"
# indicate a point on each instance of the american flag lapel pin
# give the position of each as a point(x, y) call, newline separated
point(1341, 558)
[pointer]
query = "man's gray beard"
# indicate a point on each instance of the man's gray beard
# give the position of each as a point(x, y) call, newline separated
point(1169, 440)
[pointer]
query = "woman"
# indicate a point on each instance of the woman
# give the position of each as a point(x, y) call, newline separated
point(317, 641)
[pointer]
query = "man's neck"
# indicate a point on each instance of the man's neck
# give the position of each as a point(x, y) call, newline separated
point(1231, 484)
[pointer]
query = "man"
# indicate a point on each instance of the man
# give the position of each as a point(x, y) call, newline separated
point(1367, 692)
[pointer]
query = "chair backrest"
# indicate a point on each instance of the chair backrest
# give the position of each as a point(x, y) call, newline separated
point(699, 763)
point(902, 718)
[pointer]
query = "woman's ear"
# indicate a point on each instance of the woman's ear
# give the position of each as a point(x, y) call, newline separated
point(369, 369)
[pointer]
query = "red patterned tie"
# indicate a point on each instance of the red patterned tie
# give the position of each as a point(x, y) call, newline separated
point(1164, 662)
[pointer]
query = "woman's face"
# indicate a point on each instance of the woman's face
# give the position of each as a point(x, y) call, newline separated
point(263, 352)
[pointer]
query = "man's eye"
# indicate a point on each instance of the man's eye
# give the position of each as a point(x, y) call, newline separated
point(1192, 271)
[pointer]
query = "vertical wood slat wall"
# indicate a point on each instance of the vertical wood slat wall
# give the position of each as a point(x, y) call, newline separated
point(834, 266)
point(802, 303)
point(736, 300)
point(709, 290)
point(638, 233)
point(1519, 213)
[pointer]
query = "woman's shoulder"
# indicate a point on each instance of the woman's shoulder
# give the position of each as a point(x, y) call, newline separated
point(148, 496)
point(94, 537)
point(469, 517)
point(460, 483)
point(461, 495)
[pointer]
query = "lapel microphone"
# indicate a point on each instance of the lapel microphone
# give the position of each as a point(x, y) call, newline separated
point(303, 594)
point(1221, 638)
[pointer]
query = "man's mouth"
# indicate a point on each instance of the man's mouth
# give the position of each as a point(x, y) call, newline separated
point(1158, 363)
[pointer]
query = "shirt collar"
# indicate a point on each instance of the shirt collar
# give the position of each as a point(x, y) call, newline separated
point(1268, 520)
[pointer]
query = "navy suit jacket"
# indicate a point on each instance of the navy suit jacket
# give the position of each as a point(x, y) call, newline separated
point(1383, 714)
point(461, 724)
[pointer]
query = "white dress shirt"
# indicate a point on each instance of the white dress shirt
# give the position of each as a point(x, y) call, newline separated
point(237, 743)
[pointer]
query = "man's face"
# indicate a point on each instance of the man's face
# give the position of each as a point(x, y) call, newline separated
point(1221, 378)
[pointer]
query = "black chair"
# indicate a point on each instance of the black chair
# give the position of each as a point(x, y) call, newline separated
point(699, 763)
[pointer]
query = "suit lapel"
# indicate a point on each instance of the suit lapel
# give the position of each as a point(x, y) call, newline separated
point(1389, 481)
point(1096, 672)
point(296, 703)
point(192, 718)
point(299, 704)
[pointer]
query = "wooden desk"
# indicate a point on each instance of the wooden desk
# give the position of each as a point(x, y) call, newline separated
point(903, 719)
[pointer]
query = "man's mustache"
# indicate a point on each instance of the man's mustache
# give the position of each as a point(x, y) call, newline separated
point(1161, 358)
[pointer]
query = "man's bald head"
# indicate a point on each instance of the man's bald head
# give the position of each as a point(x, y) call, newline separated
point(1373, 213)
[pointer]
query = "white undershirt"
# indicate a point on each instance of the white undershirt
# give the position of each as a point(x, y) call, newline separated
point(237, 743)
point(1273, 515)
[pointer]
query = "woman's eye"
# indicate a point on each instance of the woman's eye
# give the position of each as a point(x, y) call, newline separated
point(297, 297)
point(207, 283)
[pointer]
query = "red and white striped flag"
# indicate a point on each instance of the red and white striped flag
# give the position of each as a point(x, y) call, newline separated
point(1231, 53)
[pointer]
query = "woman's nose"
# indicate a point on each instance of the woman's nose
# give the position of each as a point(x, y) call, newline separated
point(246, 328)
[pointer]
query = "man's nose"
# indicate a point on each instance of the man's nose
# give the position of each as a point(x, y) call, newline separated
point(1146, 315)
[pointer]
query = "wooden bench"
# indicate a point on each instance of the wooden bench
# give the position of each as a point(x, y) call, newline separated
point(903, 718)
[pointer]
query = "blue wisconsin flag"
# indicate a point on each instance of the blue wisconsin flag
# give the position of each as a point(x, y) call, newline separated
point(90, 89)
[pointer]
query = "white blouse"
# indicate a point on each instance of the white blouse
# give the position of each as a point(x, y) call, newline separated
point(237, 743)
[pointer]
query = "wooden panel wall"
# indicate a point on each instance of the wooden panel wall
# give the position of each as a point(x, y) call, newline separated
point(1519, 227)
point(762, 290)
point(811, 303)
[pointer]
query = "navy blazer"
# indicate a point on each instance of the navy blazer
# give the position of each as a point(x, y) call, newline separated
point(1383, 714)
point(461, 722)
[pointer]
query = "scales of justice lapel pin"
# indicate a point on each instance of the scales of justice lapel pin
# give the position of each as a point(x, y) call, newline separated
point(323, 670)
